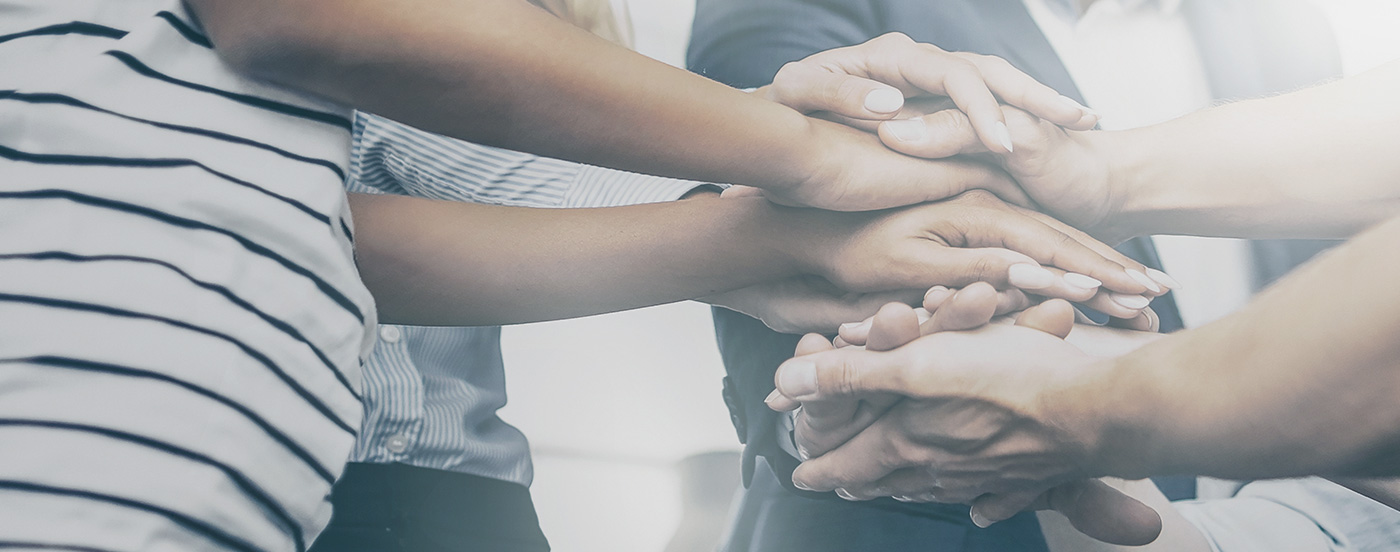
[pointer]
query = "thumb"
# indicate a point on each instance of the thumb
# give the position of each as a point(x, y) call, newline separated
point(806, 88)
point(839, 374)
point(934, 136)
point(1105, 513)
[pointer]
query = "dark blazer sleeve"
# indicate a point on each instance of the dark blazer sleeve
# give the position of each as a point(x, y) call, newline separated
point(743, 43)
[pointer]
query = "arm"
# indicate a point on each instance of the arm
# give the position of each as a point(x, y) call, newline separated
point(1302, 381)
point(1319, 368)
point(1316, 163)
point(503, 73)
point(437, 262)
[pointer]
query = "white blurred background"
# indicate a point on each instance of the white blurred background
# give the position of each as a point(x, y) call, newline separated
point(612, 403)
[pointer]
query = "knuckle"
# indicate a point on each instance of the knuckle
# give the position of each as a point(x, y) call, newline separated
point(1021, 123)
point(848, 91)
point(892, 38)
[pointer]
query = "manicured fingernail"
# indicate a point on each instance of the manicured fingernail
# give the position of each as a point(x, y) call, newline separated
point(801, 485)
point(803, 454)
point(1029, 276)
point(797, 378)
point(1135, 302)
point(1144, 280)
point(845, 494)
point(771, 396)
point(923, 314)
point(908, 130)
point(853, 326)
point(884, 100)
point(1163, 278)
point(1081, 281)
point(1003, 135)
point(979, 520)
point(1076, 105)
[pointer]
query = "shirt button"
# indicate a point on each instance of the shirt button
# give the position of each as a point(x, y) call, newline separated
point(397, 444)
point(390, 334)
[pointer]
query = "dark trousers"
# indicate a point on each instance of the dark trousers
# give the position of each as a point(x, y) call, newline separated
point(401, 508)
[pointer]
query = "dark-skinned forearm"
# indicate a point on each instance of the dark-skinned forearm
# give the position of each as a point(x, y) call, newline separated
point(1302, 381)
point(446, 263)
point(504, 73)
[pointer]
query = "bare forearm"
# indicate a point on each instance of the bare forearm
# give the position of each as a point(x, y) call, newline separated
point(503, 73)
point(1302, 381)
point(445, 263)
point(1317, 163)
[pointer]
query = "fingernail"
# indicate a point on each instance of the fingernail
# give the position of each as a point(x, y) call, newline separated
point(884, 100)
point(771, 396)
point(1144, 280)
point(1029, 276)
point(802, 454)
point(934, 290)
point(1163, 278)
point(923, 314)
point(1076, 105)
point(799, 484)
point(979, 520)
point(1003, 135)
point(853, 326)
point(1081, 281)
point(903, 498)
point(908, 130)
point(846, 495)
point(1135, 302)
point(798, 378)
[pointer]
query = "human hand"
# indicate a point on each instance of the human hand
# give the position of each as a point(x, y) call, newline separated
point(824, 425)
point(1065, 172)
point(806, 303)
point(933, 448)
point(867, 83)
point(973, 237)
point(859, 86)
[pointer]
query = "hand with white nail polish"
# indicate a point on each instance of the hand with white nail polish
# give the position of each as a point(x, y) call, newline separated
point(973, 237)
point(867, 83)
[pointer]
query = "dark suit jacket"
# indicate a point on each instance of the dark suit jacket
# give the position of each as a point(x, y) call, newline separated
point(1249, 47)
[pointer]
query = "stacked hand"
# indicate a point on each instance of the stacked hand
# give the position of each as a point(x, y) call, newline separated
point(873, 424)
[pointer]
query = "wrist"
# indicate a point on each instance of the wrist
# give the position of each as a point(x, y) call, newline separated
point(1103, 416)
point(1123, 161)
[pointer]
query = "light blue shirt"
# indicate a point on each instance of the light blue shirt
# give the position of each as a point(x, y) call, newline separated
point(431, 393)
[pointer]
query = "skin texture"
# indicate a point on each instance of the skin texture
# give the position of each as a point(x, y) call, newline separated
point(1298, 383)
point(505, 73)
point(524, 265)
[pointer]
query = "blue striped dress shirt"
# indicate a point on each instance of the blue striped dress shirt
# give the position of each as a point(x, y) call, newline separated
point(431, 394)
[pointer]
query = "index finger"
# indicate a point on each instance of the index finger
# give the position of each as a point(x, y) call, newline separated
point(1016, 88)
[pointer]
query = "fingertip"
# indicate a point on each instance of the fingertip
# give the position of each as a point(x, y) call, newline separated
point(935, 297)
point(812, 343)
point(884, 101)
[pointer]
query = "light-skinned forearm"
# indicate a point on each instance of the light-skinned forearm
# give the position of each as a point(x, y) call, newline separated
point(1316, 163)
point(447, 263)
point(1302, 381)
point(507, 74)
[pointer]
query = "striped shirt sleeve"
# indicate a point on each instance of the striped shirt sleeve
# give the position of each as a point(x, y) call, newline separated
point(394, 158)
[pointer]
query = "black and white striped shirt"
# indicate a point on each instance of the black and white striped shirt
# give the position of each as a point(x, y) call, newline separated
point(181, 321)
